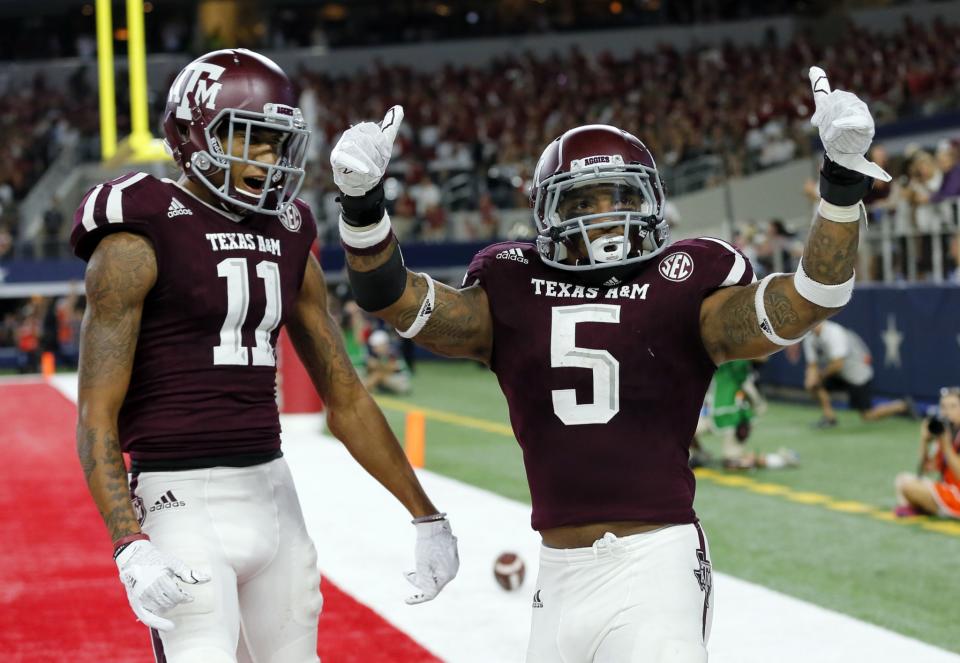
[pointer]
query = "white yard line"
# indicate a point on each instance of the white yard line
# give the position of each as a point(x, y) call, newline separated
point(365, 542)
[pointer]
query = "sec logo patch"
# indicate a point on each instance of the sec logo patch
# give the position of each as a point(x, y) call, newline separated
point(290, 217)
point(676, 267)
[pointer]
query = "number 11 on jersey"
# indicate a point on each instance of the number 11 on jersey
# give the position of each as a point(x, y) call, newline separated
point(231, 351)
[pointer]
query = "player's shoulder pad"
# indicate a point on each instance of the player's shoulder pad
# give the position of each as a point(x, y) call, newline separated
point(713, 262)
point(515, 253)
point(129, 203)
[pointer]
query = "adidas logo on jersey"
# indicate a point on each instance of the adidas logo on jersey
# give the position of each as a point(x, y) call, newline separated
point(513, 254)
point(177, 209)
point(167, 501)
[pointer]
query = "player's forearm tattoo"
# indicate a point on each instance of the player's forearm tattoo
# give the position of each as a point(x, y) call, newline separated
point(780, 309)
point(106, 476)
point(739, 320)
point(831, 251)
point(735, 331)
point(454, 328)
point(455, 318)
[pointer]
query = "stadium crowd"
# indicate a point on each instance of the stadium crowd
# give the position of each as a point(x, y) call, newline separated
point(747, 105)
point(472, 133)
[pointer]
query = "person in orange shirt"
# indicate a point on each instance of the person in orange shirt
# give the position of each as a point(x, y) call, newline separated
point(939, 452)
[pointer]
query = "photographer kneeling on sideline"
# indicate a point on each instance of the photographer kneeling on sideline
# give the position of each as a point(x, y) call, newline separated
point(939, 447)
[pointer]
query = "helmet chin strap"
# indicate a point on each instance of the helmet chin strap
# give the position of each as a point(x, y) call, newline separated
point(610, 248)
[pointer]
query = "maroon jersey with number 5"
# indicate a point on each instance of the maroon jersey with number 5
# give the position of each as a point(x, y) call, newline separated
point(204, 374)
point(605, 384)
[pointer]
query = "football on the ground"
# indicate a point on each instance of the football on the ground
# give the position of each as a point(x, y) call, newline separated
point(509, 570)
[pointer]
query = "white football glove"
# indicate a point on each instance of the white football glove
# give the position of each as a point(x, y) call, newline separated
point(846, 126)
point(437, 560)
point(150, 578)
point(360, 157)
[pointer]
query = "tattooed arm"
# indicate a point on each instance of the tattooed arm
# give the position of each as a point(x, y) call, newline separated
point(121, 272)
point(460, 325)
point(352, 415)
point(728, 318)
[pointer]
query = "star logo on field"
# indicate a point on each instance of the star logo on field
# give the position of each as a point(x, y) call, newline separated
point(892, 338)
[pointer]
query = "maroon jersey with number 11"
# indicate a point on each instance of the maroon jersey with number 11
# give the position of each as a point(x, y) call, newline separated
point(605, 384)
point(204, 375)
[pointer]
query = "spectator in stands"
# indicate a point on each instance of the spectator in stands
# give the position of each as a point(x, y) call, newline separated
point(949, 165)
point(880, 192)
point(923, 183)
point(386, 372)
point(8, 327)
point(743, 239)
point(27, 334)
point(939, 453)
point(53, 226)
point(779, 249)
point(69, 315)
point(927, 187)
point(838, 360)
point(6, 241)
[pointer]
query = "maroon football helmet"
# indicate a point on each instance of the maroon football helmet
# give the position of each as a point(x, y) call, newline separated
point(598, 177)
point(228, 93)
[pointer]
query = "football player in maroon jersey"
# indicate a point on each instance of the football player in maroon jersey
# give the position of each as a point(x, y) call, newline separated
point(188, 285)
point(603, 337)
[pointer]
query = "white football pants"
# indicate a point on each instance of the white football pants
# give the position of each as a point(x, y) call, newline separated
point(243, 526)
point(644, 598)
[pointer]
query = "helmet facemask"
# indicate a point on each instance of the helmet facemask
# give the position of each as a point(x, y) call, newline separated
point(604, 218)
point(284, 177)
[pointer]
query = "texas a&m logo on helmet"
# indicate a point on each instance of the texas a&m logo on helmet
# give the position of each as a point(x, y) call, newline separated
point(195, 85)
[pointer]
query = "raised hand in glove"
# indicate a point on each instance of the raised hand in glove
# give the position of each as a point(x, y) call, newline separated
point(360, 157)
point(150, 578)
point(846, 127)
point(437, 559)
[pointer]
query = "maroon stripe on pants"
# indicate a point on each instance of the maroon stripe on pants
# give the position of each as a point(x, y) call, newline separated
point(709, 589)
point(157, 643)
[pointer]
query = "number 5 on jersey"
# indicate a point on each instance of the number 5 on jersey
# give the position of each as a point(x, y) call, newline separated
point(564, 353)
point(231, 351)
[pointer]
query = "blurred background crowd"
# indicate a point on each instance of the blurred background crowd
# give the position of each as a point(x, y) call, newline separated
point(712, 111)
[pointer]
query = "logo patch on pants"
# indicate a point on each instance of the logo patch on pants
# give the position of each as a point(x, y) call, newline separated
point(704, 575)
point(138, 510)
point(537, 603)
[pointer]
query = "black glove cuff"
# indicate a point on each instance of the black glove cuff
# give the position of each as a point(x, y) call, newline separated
point(363, 210)
point(842, 186)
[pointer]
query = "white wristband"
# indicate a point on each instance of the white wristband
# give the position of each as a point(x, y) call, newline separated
point(828, 296)
point(367, 236)
point(765, 325)
point(841, 213)
point(426, 310)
